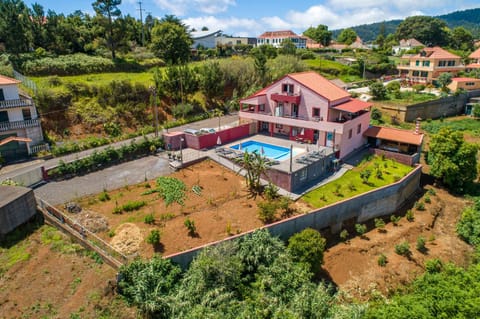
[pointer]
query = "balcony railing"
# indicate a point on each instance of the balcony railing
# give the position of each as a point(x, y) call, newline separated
point(6, 126)
point(7, 104)
point(286, 97)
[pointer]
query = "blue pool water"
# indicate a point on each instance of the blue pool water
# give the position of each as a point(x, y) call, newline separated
point(271, 151)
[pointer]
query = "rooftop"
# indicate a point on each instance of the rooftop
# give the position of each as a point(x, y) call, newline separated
point(10, 193)
point(5, 80)
point(465, 79)
point(395, 135)
point(279, 34)
point(434, 53)
point(475, 54)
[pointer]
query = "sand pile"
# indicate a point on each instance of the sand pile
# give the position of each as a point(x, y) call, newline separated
point(127, 238)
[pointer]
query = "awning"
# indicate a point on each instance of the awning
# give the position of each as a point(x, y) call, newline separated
point(395, 135)
point(15, 139)
point(353, 106)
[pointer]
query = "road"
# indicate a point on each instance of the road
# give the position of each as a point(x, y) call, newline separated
point(12, 170)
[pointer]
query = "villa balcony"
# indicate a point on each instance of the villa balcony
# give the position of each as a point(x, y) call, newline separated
point(311, 123)
point(21, 102)
point(6, 126)
point(286, 97)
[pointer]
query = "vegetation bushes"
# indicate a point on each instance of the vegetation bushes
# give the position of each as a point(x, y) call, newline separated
point(68, 65)
point(307, 247)
point(103, 158)
point(469, 225)
point(251, 277)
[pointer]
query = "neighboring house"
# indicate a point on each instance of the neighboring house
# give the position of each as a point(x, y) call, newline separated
point(20, 129)
point(402, 145)
point(276, 38)
point(312, 44)
point(426, 66)
point(467, 84)
point(406, 44)
point(475, 60)
point(358, 44)
point(337, 46)
point(307, 107)
point(231, 41)
point(205, 39)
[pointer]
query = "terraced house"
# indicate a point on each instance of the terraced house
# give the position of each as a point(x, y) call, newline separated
point(309, 108)
point(20, 129)
point(426, 66)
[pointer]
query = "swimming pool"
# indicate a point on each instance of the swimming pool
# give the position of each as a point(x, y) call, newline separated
point(271, 151)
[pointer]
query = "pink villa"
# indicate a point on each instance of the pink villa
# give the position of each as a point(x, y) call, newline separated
point(309, 108)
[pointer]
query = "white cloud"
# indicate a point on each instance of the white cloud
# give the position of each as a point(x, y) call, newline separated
point(276, 23)
point(232, 25)
point(181, 7)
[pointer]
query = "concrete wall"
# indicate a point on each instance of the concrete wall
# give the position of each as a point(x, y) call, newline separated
point(17, 206)
point(443, 107)
point(28, 178)
point(382, 201)
point(401, 158)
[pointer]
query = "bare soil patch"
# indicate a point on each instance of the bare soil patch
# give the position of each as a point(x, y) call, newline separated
point(223, 208)
point(353, 266)
point(52, 284)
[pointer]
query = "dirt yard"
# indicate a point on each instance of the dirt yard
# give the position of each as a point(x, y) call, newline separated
point(58, 281)
point(353, 266)
point(223, 208)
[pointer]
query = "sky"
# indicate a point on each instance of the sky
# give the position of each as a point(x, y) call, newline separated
point(253, 17)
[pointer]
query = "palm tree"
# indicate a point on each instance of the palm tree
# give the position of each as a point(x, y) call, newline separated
point(255, 165)
point(219, 113)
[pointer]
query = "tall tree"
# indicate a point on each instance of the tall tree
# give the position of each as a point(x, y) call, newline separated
point(37, 16)
point(15, 26)
point(171, 41)
point(452, 159)
point(347, 36)
point(110, 9)
point(461, 39)
point(428, 30)
point(211, 80)
point(319, 34)
point(288, 47)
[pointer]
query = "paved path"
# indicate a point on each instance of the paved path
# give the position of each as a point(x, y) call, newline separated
point(16, 169)
point(117, 176)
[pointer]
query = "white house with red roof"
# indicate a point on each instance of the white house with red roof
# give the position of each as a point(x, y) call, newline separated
point(426, 66)
point(467, 84)
point(20, 129)
point(276, 38)
point(307, 107)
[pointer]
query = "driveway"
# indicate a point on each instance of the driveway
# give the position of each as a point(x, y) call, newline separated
point(16, 169)
point(128, 173)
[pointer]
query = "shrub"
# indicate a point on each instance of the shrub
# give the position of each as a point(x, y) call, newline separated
point(431, 191)
point(133, 205)
point(433, 266)
point(379, 174)
point(469, 225)
point(117, 210)
point(149, 219)
point(419, 206)
point(421, 244)
point(361, 229)
point(344, 235)
point(382, 260)
point(395, 219)
point(190, 225)
point(379, 223)
point(403, 249)
point(365, 175)
point(111, 233)
point(409, 215)
point(308, 246)
point(376, 114)
point(103, 196)
point(154, 237)
point(271, 191)
point(267, 211)
point(427, 199)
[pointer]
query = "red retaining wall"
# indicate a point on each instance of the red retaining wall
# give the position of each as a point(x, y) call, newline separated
point(210, 140)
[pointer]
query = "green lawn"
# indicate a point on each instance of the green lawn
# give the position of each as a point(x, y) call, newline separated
point(351, 184)
point(331, 69)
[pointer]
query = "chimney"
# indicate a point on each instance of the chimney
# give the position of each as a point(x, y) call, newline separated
point(417, 125)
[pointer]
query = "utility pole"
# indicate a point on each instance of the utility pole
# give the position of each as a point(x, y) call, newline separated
point(141, 21)
point(154, 91)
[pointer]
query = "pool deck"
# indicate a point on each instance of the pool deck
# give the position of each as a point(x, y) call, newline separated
point(191, 155)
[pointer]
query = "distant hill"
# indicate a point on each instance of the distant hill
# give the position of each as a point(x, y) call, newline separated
point(469, 19)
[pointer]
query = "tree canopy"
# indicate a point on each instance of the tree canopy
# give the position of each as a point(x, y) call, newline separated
point(347, 36)
point(320, 34)
point(452, 159)
point(171, 42)
point(428, 30)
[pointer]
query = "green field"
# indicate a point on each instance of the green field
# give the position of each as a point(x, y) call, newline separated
point(468, 125)
point(351, 184)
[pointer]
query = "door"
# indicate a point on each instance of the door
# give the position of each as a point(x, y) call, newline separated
point(2, 96)
point(294, 110)
point(4, 116)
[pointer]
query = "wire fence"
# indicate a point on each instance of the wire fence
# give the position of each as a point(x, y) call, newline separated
point(25, 81)
point(80, 232)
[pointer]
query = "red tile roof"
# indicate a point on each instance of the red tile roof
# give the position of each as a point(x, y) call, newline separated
point(475, 54)
point(395, 135)
point(4, 80)
point(473, 66)
point(319, 85)
point(465, 79)
point(411, 43)
point(279, 34)
point(436, 53)
point(353, 106)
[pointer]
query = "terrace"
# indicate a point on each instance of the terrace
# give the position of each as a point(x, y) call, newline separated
point(5, 126)
point(21, 102)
